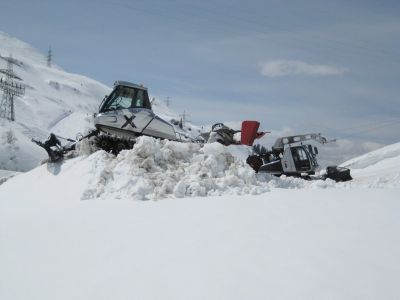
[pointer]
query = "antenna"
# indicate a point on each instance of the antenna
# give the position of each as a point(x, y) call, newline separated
point(10, 89)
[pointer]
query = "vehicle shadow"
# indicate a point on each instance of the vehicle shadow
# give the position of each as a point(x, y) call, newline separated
point(54, 168)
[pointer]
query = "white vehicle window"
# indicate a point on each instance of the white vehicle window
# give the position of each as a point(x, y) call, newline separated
point(127, 97)
point(302, 154)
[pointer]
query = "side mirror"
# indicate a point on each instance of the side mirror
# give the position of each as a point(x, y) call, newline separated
point(315, 150)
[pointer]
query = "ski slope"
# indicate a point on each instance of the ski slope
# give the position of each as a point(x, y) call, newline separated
point(75, 231)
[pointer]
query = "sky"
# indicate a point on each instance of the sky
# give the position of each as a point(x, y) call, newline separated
point(303, 66)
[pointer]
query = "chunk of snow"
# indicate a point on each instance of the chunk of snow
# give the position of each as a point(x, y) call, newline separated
point(156, 169)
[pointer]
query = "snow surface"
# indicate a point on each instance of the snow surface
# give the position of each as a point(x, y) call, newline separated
point(373, 157)
point(72, 231)
point(5, 175)
point(379, 168)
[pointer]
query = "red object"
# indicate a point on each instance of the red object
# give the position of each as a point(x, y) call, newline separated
point(249, 132)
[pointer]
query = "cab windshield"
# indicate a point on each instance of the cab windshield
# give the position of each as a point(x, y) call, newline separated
point(300, 158)
point(126, 97)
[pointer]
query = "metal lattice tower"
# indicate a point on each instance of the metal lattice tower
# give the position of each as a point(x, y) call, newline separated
point(184, 117)
point(49, 57)
point(10, 90)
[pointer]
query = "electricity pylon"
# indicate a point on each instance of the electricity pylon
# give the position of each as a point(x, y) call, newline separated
point(10, 90)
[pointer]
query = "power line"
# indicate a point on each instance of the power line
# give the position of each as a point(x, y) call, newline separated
point(370, 129)
point(214, 18)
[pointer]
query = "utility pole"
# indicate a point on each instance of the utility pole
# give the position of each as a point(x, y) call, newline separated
point(10, 90)
point(49, 57)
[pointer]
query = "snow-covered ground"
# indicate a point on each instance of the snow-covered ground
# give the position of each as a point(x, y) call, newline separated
point(209, 229)
point(284, 245)
point(379, 168)
point(74, 230)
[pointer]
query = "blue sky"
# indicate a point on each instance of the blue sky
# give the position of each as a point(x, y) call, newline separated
point(329, 66)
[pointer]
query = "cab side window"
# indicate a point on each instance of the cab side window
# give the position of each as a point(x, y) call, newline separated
point(302, 154)
point(138, 100)
point(141, 99)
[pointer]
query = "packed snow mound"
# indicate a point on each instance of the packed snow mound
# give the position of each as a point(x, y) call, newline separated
point(156, 169)
point(5, 175)
point(377, 169)
point(373, 157)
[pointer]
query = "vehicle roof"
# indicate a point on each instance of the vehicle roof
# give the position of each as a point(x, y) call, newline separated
point(129, 84)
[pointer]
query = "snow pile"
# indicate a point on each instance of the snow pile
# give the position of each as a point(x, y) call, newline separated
point(156, 169)
point(373, 157)
point(6, 175)
point(376, 169)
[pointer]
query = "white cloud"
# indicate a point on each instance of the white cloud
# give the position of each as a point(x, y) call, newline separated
point(279, 68)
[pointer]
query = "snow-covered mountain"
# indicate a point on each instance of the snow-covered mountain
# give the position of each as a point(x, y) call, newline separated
point(55, 101)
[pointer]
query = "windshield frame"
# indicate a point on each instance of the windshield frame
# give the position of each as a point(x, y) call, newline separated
point(116, 93)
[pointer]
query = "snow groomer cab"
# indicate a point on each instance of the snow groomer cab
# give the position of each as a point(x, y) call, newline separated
point(127, 113)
